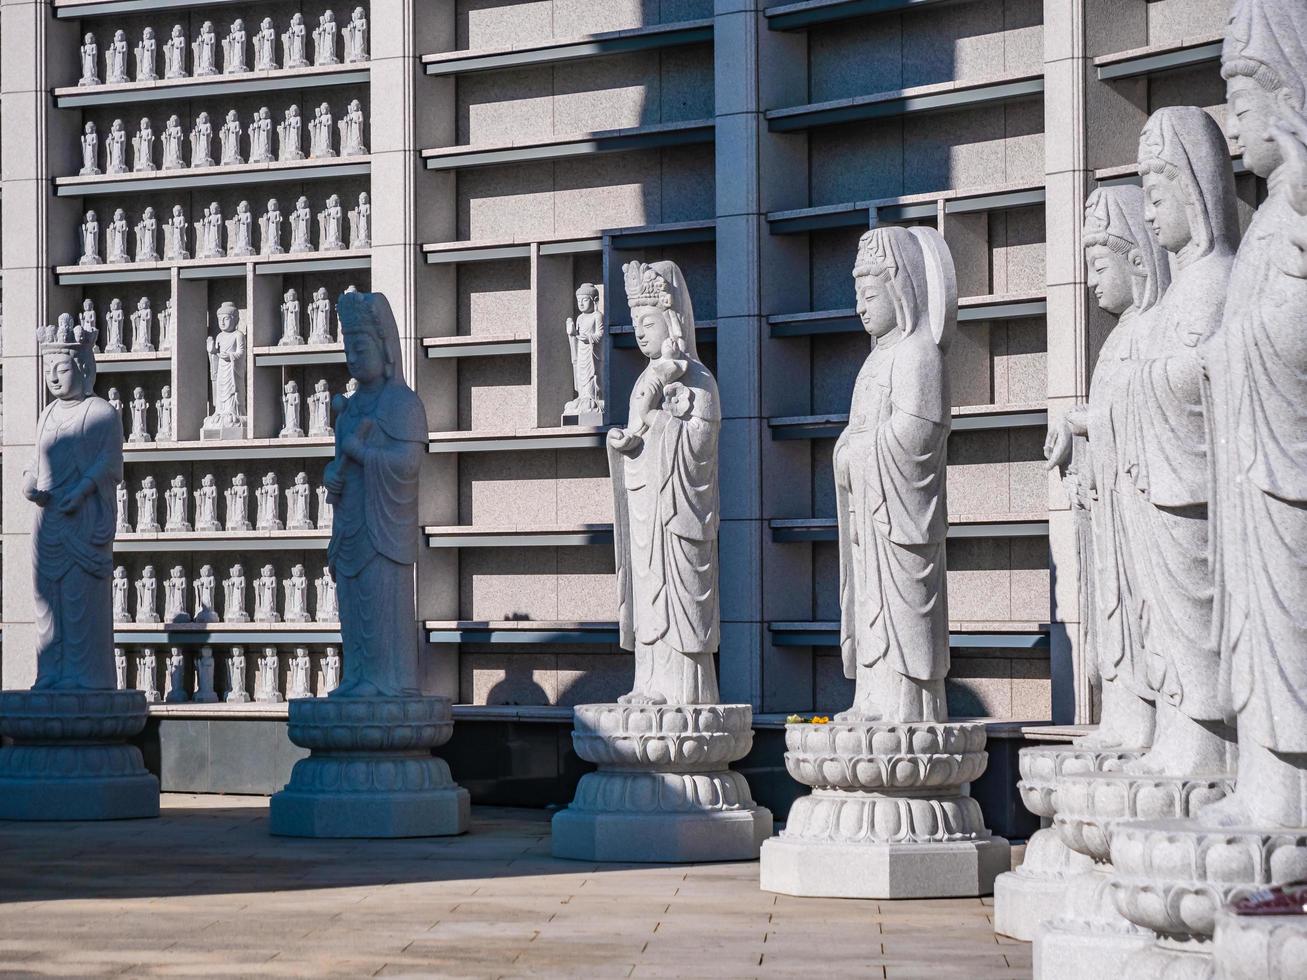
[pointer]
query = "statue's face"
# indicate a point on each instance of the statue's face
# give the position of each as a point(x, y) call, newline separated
point(1248, 123)
point(227, 321)
point(148, 483)
point(138, 393)
point(143, 304)
point(148, 573)
point(166, 393)
point(584, 302)
point(149, 34)
point(62, 378)
point(364, 356)
point(1166, 209)
point(651, 330)
point(1110, 277)
point(875, 305)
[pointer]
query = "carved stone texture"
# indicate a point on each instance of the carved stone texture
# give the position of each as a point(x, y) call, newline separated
point(585, 339)
point(1272, 947)
point(226, 353)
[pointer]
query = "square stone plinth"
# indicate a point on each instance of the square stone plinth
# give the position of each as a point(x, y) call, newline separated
point(1024, 902)
point(129, 797)
point(437, 813)
point(1066, 950)
point(929, 870)
point(662, 838)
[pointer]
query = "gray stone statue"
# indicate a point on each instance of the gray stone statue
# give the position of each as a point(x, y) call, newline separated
point(233, 49)
point(147, 57)
point(585, 338)
point(147, 507)
point(355, 34)
point(290, 320)
point(205, 48)
point(240, 230)
point(174, 242)
point(143, 148)
point(270, 229)
point(123, 524)
point(324, 40)
point(360, 223)
point(236, 693)
point(352, 137)
point(238, 499)
point(301, 220)
point(297, 596)
point(233, 597)
point(267, 677)
point(90, 234)
point(290, 136)
point(175, 692)
point(206, 505)
point(261, 137)
point(294, 43)
point(90, 52)
point(163, 413)
point(202, 141)
point(297, 681)
point(320, 318)
point(290, 412)
point(297, 504)
point(115, 149)
point(325, 509)
point(330, 225)
point(120, 667)
point(174, 53)
point(204, 692)
point(116, 403)
point(330, 670)
point(90, 151)
point(226, 352)
point(113, 325)
point(174, 593)
point(147, 676)
point(173, 139)
point(176, 499)
point(121, 587)
point(206, 588)
point(118, 239)
point(147, 596)
point(265, 46)
point(85, 319)
point(266, 514)
point(147, 237)
point(141, 321)
point(320, 409)
point(115, 60)
point(265, 596)
point(229, 137)
point(140, 408)
point(325, 609)
point(320, 138)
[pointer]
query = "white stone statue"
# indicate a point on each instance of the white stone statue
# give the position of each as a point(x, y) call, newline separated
point(204, 692)
point(266, 498)
point(320, 318)
point(115, 60)
point(297, 681)
point(175, 691)
point(352, 137)
point(90, 151)
point(240, 230)
point(118, 239)
point(147, 237)
point(320, 409)
point(294, 43)
point(120, 667)
point(261, 137)
point(115, 149)
point(301, 220)
point(163, 412)
point(352, 385)
point(165, 326)
point(147, 676)
point(320, 137)
point(147, 596)
point(116, 403)
point(233, 49)
point(297, 504)
point(175, 595)
point(205, 48)
point(202, 141)
point(355, 34)
point(173, 139)
point(140, 411)
point(324, 509)
point(233, 597)
point(265, 46)
point(330, 670)
point(297, 590)
point(360, 223)
point(121, 587)
point(141, 320)
point(147, 507)
point(330, 224)
point(236, 693)
point(206, 505)
point(208, 245)
point(226, 353)
point(267, 680)
point(325, 610)
point(143, 148)
point(265, 597)
point(174, 54)
point(147, 57)
point(324, 40)
point(174, 243)
point(90, 61)
point(175, 497)
point(290, 320)
point(205, 588)
point(238, 503)
point(124, 525)
point(290, 412)
point(270, 230)
point(113, 326)
point(90, 233)
point(585, 338)
point(290, 136)
point(229, 137)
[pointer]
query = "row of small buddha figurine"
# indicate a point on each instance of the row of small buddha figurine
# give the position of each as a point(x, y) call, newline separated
point(195, 682)
point(203, 593)
point(267, 497)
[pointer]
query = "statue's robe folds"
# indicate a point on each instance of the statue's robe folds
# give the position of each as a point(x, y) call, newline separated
point(892, 514)
point(73, 553)
point(666, 506)
point(374, 542)
point(1258, 372)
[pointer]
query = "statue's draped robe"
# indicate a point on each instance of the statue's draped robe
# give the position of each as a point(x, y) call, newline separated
point(666, 500)
point(889, 488)
point(73, 553)
point(588, 364)
point(374, 540)
point(227, 379)
point(1258, 371)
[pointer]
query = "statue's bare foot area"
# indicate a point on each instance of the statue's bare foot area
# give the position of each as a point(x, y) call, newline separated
point(859, 714)
point(640, 697)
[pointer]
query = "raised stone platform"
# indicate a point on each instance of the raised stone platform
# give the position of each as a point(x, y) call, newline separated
point(663, 791)
point(887, 817)
point(1260, 947)
point(70, 759)
point(370, 772)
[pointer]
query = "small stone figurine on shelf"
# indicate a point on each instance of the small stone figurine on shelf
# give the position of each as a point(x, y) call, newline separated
point(233, 597)
point(174, 593)
point(121, 588)
point(229, 138)
point(90, 233)
point(351, 131)
point(290, 412)
point(141, 343)
point(585, 337)
point(206, 505)
point(320, 318)
point(301, 220)
point(116, 403)
point(140, 411)
point(360, 223)
point(176, 677)
point(124, 525)
point(147, 507)
point(297, 596)
point(236, 677)
point(115, 60)
point(205, 48)
point(290, 320)
point(118, 239)
point(90, 151)
point(202, 141)
point(115, 148)
point(113, 325)
point(267, 676)
point(330, 225)
point(143, 147)
point(325, 610)
point(90, 62)
point(320, 409)
point(355, 34)
point(261, 137)
point(265, 596)
point(238, 502)
point(165, 326)
point(294, 43)
point(227, 377)
point(266, 496)
point(270, 229)
point(147, 596)
point(176, 498)
point(324, 40)
point(240, 231)
point(120, 667)
point(290, 141)
point(173, 138)
point(297, 504)
point(320, 138)
point(265, 46)
point(324, 509)
point(206, 588)
point(233, 49)
point(330, 670)
point(174, 237)
point(163, 410)
point(297, 680)
point(147, 237)
point(174, 54)
point(147, 57)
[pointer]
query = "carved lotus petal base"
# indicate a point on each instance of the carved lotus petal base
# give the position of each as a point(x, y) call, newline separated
point(837, 816)
point(1086, 938)
point(1173, 876)
point(1043, 765)
point(64, 716)
point(348, 724)
point(875, 756)
point(1272, 947)
point(1033, 893)
point(1172, 961)
point(1090, 807)
point(663, 792)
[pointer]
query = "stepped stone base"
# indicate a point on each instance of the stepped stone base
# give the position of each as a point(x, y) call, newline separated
point(1026, 899)
point(1269, 947)
point(1088, 939)
point(70, 760)
point(663, 792)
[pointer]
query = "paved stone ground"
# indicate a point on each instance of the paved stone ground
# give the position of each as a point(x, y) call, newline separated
point(206, 892)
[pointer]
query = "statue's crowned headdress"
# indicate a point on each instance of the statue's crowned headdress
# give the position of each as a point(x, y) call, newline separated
point(645, 287)
point(68, 336)
point(661, 286)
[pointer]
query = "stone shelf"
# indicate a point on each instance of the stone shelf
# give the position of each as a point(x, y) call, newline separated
point(78, 9)
point(190, 541)
point(523, 536)
point(705, 332)
point(229, 450)
point(460, 253)
point(813, 13)
point(1158, 58)
point(520, 632)
point(942, 97)
point(487, 345)
point(566, 147)
point(788, 530)
point(994, 636)
point(125, 363)
point(228, 267)
point(192, 178)
point(204, 634)
point(172, 90)
point(563, 437)
point(558, 51)
point(1012, 306)
point(971, 418)
point(907, 207)
point(300, 354)
point(664, 235)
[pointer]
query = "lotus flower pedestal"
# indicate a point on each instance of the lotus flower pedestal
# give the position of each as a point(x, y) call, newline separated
point(889, 815)
point(1262, 947)
point(70, 759)
point(370, 772)
point(664, 791)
